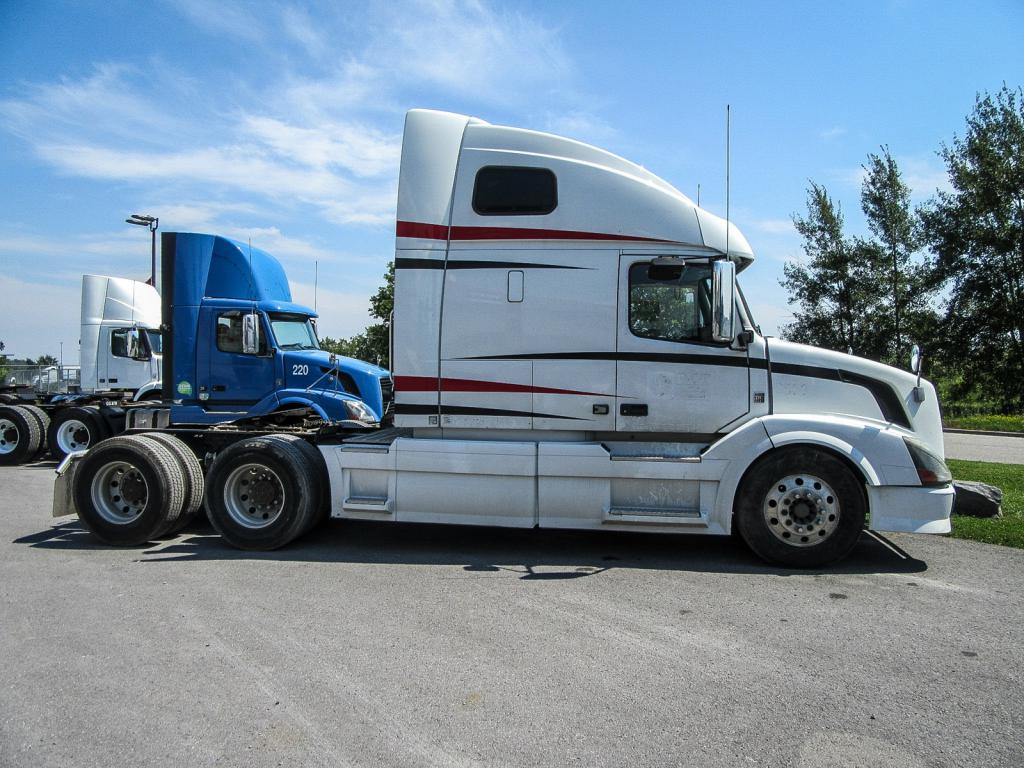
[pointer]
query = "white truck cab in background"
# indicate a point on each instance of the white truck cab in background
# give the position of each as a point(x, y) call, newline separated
point(571, 350)
point(120, 336)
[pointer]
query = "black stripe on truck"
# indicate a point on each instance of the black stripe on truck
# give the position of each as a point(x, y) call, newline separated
point(887, 399)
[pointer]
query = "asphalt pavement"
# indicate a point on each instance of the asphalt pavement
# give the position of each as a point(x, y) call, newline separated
point(1006, 450)
point(377, 644)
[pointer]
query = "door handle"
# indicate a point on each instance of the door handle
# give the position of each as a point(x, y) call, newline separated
point(218, 387)
point(633, 409)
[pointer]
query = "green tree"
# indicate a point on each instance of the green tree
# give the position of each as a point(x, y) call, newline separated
point(372, 344)
point(976, 234)
point(47, 360)
point(885, 200)
point(836, 289)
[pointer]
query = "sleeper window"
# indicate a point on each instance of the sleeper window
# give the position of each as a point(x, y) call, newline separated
point(514, 191)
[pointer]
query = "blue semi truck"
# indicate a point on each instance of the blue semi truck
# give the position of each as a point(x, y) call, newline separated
point(236, 350)
point(237, 347)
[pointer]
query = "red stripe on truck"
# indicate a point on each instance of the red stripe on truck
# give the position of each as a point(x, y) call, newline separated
point(441, 232)
point(431, 384)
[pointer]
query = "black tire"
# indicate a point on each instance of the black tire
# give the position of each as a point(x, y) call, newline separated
point(20, 436)
point(317, 470)
point(800, 507)
point(8, 399)
point(192, 471)
point(43, 419)
point(74, 429)
point(154, 508)
point(285, 494)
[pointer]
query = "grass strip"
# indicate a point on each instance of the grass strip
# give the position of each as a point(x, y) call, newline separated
point(1007, 530)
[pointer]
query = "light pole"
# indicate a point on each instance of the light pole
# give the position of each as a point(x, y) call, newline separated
point(152, 222)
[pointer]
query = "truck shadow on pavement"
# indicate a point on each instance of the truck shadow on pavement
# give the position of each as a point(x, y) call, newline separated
point(533, 554)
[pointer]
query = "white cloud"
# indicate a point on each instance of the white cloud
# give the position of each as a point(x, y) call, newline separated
point(227, 17)
point(832, 133)
point(342, 314)
point(774, 226)
point(359, 148)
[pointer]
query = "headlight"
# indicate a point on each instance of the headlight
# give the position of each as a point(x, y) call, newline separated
point(930, 468)
point(358, 411)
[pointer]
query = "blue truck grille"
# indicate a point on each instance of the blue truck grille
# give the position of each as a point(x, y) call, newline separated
point(387, 397)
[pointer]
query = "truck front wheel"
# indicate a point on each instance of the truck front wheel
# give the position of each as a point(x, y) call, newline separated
point(261, 493)
point(800, 507)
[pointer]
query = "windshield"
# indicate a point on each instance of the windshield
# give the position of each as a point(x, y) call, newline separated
point(293, 331)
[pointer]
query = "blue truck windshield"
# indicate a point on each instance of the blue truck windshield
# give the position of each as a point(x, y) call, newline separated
point(293, 331)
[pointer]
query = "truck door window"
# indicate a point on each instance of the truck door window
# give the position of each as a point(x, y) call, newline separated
point(119, 342)
point(229, 333)
point(671, 303)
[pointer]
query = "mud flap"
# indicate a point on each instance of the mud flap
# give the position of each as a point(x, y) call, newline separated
point(63, 486)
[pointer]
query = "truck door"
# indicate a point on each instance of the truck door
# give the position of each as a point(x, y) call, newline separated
point(233, 380)
point(671, 378)
point(117, 366)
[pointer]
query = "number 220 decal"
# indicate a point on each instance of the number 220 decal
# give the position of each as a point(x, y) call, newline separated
point(300, 370)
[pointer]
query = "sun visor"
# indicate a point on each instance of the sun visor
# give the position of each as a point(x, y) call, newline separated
point(713, 230)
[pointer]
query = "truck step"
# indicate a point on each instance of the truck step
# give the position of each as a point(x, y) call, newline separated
point(659, 515)
point(368, 504)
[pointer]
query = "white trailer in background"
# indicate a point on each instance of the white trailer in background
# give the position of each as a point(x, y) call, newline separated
point(570, 350)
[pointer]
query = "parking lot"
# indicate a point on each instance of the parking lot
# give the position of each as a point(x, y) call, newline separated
point(368, 644)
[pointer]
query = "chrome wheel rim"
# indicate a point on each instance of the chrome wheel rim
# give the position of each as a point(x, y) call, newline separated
point(73, 435)
point(10, 436)
point(801, 510)
point(119, 493)
point(254, 496)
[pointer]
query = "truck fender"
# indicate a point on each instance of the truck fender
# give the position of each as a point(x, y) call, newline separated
point(287, 402)
point(144, 392)
point(849, 452)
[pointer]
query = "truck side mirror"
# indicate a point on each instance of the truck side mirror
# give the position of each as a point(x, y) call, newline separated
point(250, 334)
point(136, 351)
point(915, 360)
point(723, 307)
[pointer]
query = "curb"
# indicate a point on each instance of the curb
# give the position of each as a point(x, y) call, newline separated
point(990, 433)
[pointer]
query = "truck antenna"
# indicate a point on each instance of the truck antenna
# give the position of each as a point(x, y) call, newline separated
point(728, 140)
point(316, 277)
point(698, 195)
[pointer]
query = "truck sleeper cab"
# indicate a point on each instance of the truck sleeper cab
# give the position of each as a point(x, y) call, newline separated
point(571, 350)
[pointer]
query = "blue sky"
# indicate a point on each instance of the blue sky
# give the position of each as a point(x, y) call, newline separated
point(282, 122)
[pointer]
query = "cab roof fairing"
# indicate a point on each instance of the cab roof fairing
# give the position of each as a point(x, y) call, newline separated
point(598, 191)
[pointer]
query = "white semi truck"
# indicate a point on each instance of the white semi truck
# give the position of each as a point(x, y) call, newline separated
point(571, 349)
point(120, 354)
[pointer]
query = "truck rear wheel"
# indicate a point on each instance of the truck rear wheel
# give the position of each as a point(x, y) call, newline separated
point(43, 420)
point(262, 493)
point(192, 471)
point(318, 475)
point(74, 429)
point(20, 436)
point(800, 507)
point(129, 490)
